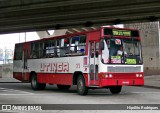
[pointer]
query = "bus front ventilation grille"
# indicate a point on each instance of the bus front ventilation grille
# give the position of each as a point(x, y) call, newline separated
point(124, 69)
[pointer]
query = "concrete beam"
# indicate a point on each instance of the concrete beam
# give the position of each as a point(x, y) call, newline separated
point(59, 32)
point(45, 34)
point(22, 15)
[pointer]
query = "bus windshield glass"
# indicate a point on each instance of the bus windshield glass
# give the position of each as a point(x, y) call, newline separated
point(122, 51)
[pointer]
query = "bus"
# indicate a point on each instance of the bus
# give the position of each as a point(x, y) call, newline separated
point(108, 58)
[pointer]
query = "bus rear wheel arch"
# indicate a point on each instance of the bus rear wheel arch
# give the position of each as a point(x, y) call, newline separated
point(35, 85)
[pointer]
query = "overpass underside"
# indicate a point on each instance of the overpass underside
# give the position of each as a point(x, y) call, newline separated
point(35, 15)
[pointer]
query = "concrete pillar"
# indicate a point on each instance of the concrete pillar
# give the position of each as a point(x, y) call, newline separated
point(149, 33)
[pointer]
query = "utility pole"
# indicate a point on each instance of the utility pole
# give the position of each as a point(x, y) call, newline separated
point(25, 37)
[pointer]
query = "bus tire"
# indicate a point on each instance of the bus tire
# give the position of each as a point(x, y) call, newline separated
point(35, 85)
point(63, 87)
point(115, 89)
point(81, 86)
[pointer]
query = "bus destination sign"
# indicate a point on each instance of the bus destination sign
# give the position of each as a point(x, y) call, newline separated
point(117, 32)
point(121, 32)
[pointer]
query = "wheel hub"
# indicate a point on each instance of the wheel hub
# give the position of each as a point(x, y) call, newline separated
point(80, 85)
point(34, 82)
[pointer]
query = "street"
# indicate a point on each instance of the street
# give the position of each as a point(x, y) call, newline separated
point(21, 93)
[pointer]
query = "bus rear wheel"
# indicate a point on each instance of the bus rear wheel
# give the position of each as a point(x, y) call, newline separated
point(115, 89)
point(81, 86)
point(35, 85)
point(63, 87)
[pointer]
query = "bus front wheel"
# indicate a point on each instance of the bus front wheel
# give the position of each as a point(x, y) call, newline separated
point(35, 85)
point(115, 89)
point(81, 86)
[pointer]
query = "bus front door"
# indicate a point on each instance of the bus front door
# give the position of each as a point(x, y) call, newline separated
point(93, 63)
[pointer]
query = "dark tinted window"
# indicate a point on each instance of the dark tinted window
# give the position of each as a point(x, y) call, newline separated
point(18, 51)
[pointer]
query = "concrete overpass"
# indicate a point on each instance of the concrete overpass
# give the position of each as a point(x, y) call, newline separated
point(35, 15)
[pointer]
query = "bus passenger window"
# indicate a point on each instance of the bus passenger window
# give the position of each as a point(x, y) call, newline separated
point(74, 44)
point(49, 49)
point(41, 50)
point(35, 50)
point(57, 47)
point(18, 52)
point(78, 45)
point(82, 44)
point(64, 48)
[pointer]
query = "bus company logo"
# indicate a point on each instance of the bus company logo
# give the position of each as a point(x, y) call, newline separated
point(21, 107)
point(54, 67)
point(6, 107)
point(118, 41)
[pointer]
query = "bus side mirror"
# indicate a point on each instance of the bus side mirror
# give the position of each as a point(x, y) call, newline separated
point(102, 45)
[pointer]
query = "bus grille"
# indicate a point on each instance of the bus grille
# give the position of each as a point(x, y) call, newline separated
point(124, 69)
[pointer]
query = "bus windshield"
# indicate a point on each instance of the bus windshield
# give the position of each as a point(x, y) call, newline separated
point(122, 51)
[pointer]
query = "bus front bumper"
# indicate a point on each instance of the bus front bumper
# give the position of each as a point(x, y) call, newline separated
point(121, 82)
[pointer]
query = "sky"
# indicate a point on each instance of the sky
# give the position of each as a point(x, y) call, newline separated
point(9, 40)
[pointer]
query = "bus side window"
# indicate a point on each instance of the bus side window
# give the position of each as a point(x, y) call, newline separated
point(18, 52)
point(82, 44)
point(54, 49)
point(64, 47)
point(57, 47)
point(72, 45)
point(41, 50)
point(35, 50)
point(49, 49)
point(78, 44)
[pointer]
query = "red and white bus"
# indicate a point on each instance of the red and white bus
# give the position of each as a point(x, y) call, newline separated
point(105, 58)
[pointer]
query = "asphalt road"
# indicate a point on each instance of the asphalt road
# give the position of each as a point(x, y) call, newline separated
point(21, 93)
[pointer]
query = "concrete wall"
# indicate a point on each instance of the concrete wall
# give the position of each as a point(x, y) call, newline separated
point(150, 44)
point(6, 71)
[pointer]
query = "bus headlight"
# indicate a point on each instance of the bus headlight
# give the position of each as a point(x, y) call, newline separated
point(105, 75)
point(141, 75)
point(110, 75)
point(137, 75)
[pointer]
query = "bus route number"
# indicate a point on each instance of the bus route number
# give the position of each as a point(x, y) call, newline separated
point(78, 65)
